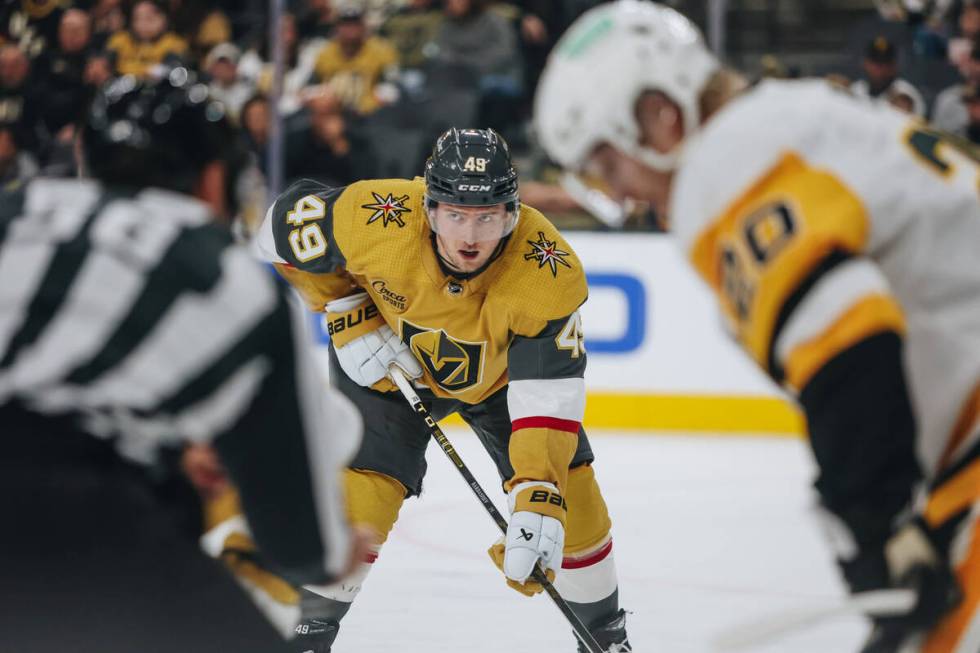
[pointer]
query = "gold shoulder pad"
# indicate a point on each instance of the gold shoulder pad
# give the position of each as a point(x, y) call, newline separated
point(376, 220)
point(543, 279)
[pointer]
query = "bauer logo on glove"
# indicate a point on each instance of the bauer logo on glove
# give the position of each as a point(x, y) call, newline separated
point(536, 533)
point(365, 345)
point(351, 319)
point(543, 496)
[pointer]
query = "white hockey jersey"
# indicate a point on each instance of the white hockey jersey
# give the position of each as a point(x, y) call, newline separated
point(819, 219)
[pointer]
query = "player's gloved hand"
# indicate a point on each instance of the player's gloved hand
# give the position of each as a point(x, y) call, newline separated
point(365, 345)
point(914, 561)
point(536, 533)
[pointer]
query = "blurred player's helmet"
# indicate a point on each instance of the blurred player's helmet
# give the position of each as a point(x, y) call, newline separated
point(158, 133)
point(472, 168)
point(595, 74)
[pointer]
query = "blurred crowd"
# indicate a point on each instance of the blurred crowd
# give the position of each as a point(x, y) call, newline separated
point(921, 56)
point(367, 84)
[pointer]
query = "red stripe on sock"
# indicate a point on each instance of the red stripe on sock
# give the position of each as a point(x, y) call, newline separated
point(570, 426)
point(589, 560)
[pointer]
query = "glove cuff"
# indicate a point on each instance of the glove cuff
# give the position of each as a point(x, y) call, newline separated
point(907, 548)
point(538, 497)
point(345, 326)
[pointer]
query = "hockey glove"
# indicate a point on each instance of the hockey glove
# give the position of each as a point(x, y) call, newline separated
point(365, 345)
point(914, 561)
point(536, 533)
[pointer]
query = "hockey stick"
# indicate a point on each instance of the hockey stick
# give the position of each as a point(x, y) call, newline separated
point(538, 575)
point(876, 603)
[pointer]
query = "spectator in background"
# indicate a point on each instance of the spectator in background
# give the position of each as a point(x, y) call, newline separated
point(412, 31)
point(201, 23)
point(316, 20)
point(98, 69)
point(376, 12)
point(255, 66)
point(882, 80)
point(325, 148)
point(16, 166)
point(971, 99)
point(147, 43)
point(108, 18)
point(255, 123)
point(949, 112)
point(221, 65)
point(20, 101)
point(968, 28)
point(61, 73)
point(541, 22)
point(31, 24)
point(478, 38)
point(354, 64)
point(486, 43)
point(62, 69)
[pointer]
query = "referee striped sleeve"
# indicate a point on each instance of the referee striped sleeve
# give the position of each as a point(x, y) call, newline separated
point(146, 322)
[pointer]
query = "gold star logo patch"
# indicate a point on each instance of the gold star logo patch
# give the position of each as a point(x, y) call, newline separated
point(388, 209)
point(546, 252)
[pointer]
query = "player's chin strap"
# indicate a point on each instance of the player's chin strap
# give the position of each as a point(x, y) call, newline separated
point(581, 631)
point(876, 603)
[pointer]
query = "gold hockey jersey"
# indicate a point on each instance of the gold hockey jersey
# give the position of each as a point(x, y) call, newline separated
point(842, 219)
point(516, 322)
point(135, 57)
point(353, 79)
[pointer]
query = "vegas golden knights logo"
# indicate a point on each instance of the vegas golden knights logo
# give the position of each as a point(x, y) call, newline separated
point(454, 364)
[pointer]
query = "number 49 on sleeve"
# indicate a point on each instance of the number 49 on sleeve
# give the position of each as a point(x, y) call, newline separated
point(307, 240)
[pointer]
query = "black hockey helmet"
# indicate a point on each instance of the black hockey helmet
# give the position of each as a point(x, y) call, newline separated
point(158, 132)
point(471, 167)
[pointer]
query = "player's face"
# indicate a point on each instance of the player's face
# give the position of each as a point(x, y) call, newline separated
point(662, 130)
point(467, 235)
point(627, 178)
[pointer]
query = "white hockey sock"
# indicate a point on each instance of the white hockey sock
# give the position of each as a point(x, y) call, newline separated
point(346, 590)
point(590, 577)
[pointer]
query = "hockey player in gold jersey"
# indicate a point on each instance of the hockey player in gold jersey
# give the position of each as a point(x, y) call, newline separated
point(476, 297)
point(840, 239)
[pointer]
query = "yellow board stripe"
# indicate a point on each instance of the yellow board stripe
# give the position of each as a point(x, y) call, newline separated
point(709, 414)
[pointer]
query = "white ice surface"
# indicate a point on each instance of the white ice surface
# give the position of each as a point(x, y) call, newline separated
point(708, 532)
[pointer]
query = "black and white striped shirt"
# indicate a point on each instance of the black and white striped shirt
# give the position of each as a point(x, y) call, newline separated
point(140, 316)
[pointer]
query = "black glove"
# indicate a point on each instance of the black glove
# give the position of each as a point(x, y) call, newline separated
point(914, 560)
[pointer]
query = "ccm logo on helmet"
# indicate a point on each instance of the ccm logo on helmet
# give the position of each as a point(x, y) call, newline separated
point(474, 187)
